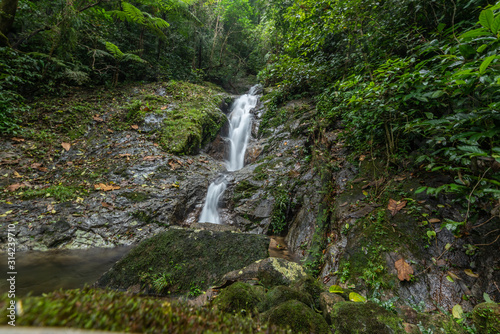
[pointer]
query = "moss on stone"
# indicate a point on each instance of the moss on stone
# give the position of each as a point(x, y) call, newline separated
point(364, 318)
point(280, 294)
point(244, 189)
point(240, 298)
point(486, 317)
point(311, 286)
point(276, 271)
point(173, 261)
point(298, 317)
point(136, 196)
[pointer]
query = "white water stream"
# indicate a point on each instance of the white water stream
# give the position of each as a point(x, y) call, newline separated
point(240, 127)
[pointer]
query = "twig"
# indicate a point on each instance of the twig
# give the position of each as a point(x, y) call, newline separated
point(472, 192)
point(491, 218)
point(491, 243)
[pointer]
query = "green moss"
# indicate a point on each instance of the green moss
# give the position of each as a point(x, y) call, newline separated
point(178, 259)
point(311, 286)
point(239, 298)
point(244, 189)
point(299, 317)
point(364, 318)
point(145, 217)
point(486, 317)
point(136, 196)
point(280, 294)
point(58, 192)
point(95, 309)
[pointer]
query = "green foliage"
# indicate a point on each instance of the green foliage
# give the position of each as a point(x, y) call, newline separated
point(281, 206)
point(60, 193)
point(117, 311)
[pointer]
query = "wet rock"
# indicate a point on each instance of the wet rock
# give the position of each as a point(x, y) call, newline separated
point(312, 287)
point(299, 317)
point(164, 263)
point(240, 298)
point(270, 272)
point(486, 318)
point(281, 294)
point(363, 318)
point(327, 300)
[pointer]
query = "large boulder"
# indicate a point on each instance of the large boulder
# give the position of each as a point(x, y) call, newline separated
point(270, 272)
point(364, 318)
point(180, 260)
point(240, 298)
point(299, 317)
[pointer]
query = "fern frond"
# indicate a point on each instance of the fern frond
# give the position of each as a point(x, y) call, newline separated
point(136, 58)
point(114, 50)
point(160, 23)
point(122, 16)
point(134, 13)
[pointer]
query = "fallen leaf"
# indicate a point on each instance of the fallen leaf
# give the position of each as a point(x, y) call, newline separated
point(452, 275)
point(362, 157)
point(135, 127)
point(10, 162)
point(173, 165)
point(17, 175)
point(336, 289)
point(14, 187)
point(97, 118)
point(111, 131)
point(149, 158)
point(107, 205)
point(395, 207)
point(66, 146)
point(156, 145)
point(356, 297)
point(469, 272)
point(399, 178)
point(449, 278)
point(106, 187)
point(434, 220)
point(124, 155)
point(164, 107)
point(457, 312)
point(404, 270)
point(19, 140)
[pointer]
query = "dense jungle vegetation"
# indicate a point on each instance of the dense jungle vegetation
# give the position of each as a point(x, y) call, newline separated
point(402, 75)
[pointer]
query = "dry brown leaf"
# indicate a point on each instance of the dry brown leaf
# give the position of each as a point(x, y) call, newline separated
point(173, 165)
point(434, 220)
point(454, 276)
point(97, 118)
point(395, 206)
point(107, 205)
point(399, 178)
point(106, 187)
point(135, 127)
point(469, 272)
point(150, 158)
point(362, 157)
point(14, 187)
point(43, 169)
point(110, 131)
point(404, 270)
point(10, 162)
point(66, 146)
point(19, 140)
point(124, 155)
point(164, 107)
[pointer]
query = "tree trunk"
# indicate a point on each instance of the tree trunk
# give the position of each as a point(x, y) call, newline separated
point(7, 13)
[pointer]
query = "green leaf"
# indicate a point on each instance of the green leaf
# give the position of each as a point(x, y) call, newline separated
point(336, 289)
point(431, 234)
point(355, 297)
point(487, 298)
point(449, 278)
point(486, 18)
point(486, 62)
point(421, 189)
point(467, 51)
point(496, 25)
point(473, 150)
point(437, 94)
point(475, 33)
point(482, 48)
point(457, 312)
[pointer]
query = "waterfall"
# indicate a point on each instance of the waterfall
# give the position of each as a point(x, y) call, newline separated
point(240, 127)
point(209, 213)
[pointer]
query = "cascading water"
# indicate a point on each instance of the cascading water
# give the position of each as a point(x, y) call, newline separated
point(240, 126)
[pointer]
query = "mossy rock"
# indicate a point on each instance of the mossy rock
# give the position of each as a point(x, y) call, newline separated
point(280, 294)
point(311, 286)
point(326, 301)
point(277, 271)
point(240, 298)
point(486, 317)
point(364, 318)
point(179, 260)
point(299, 317)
